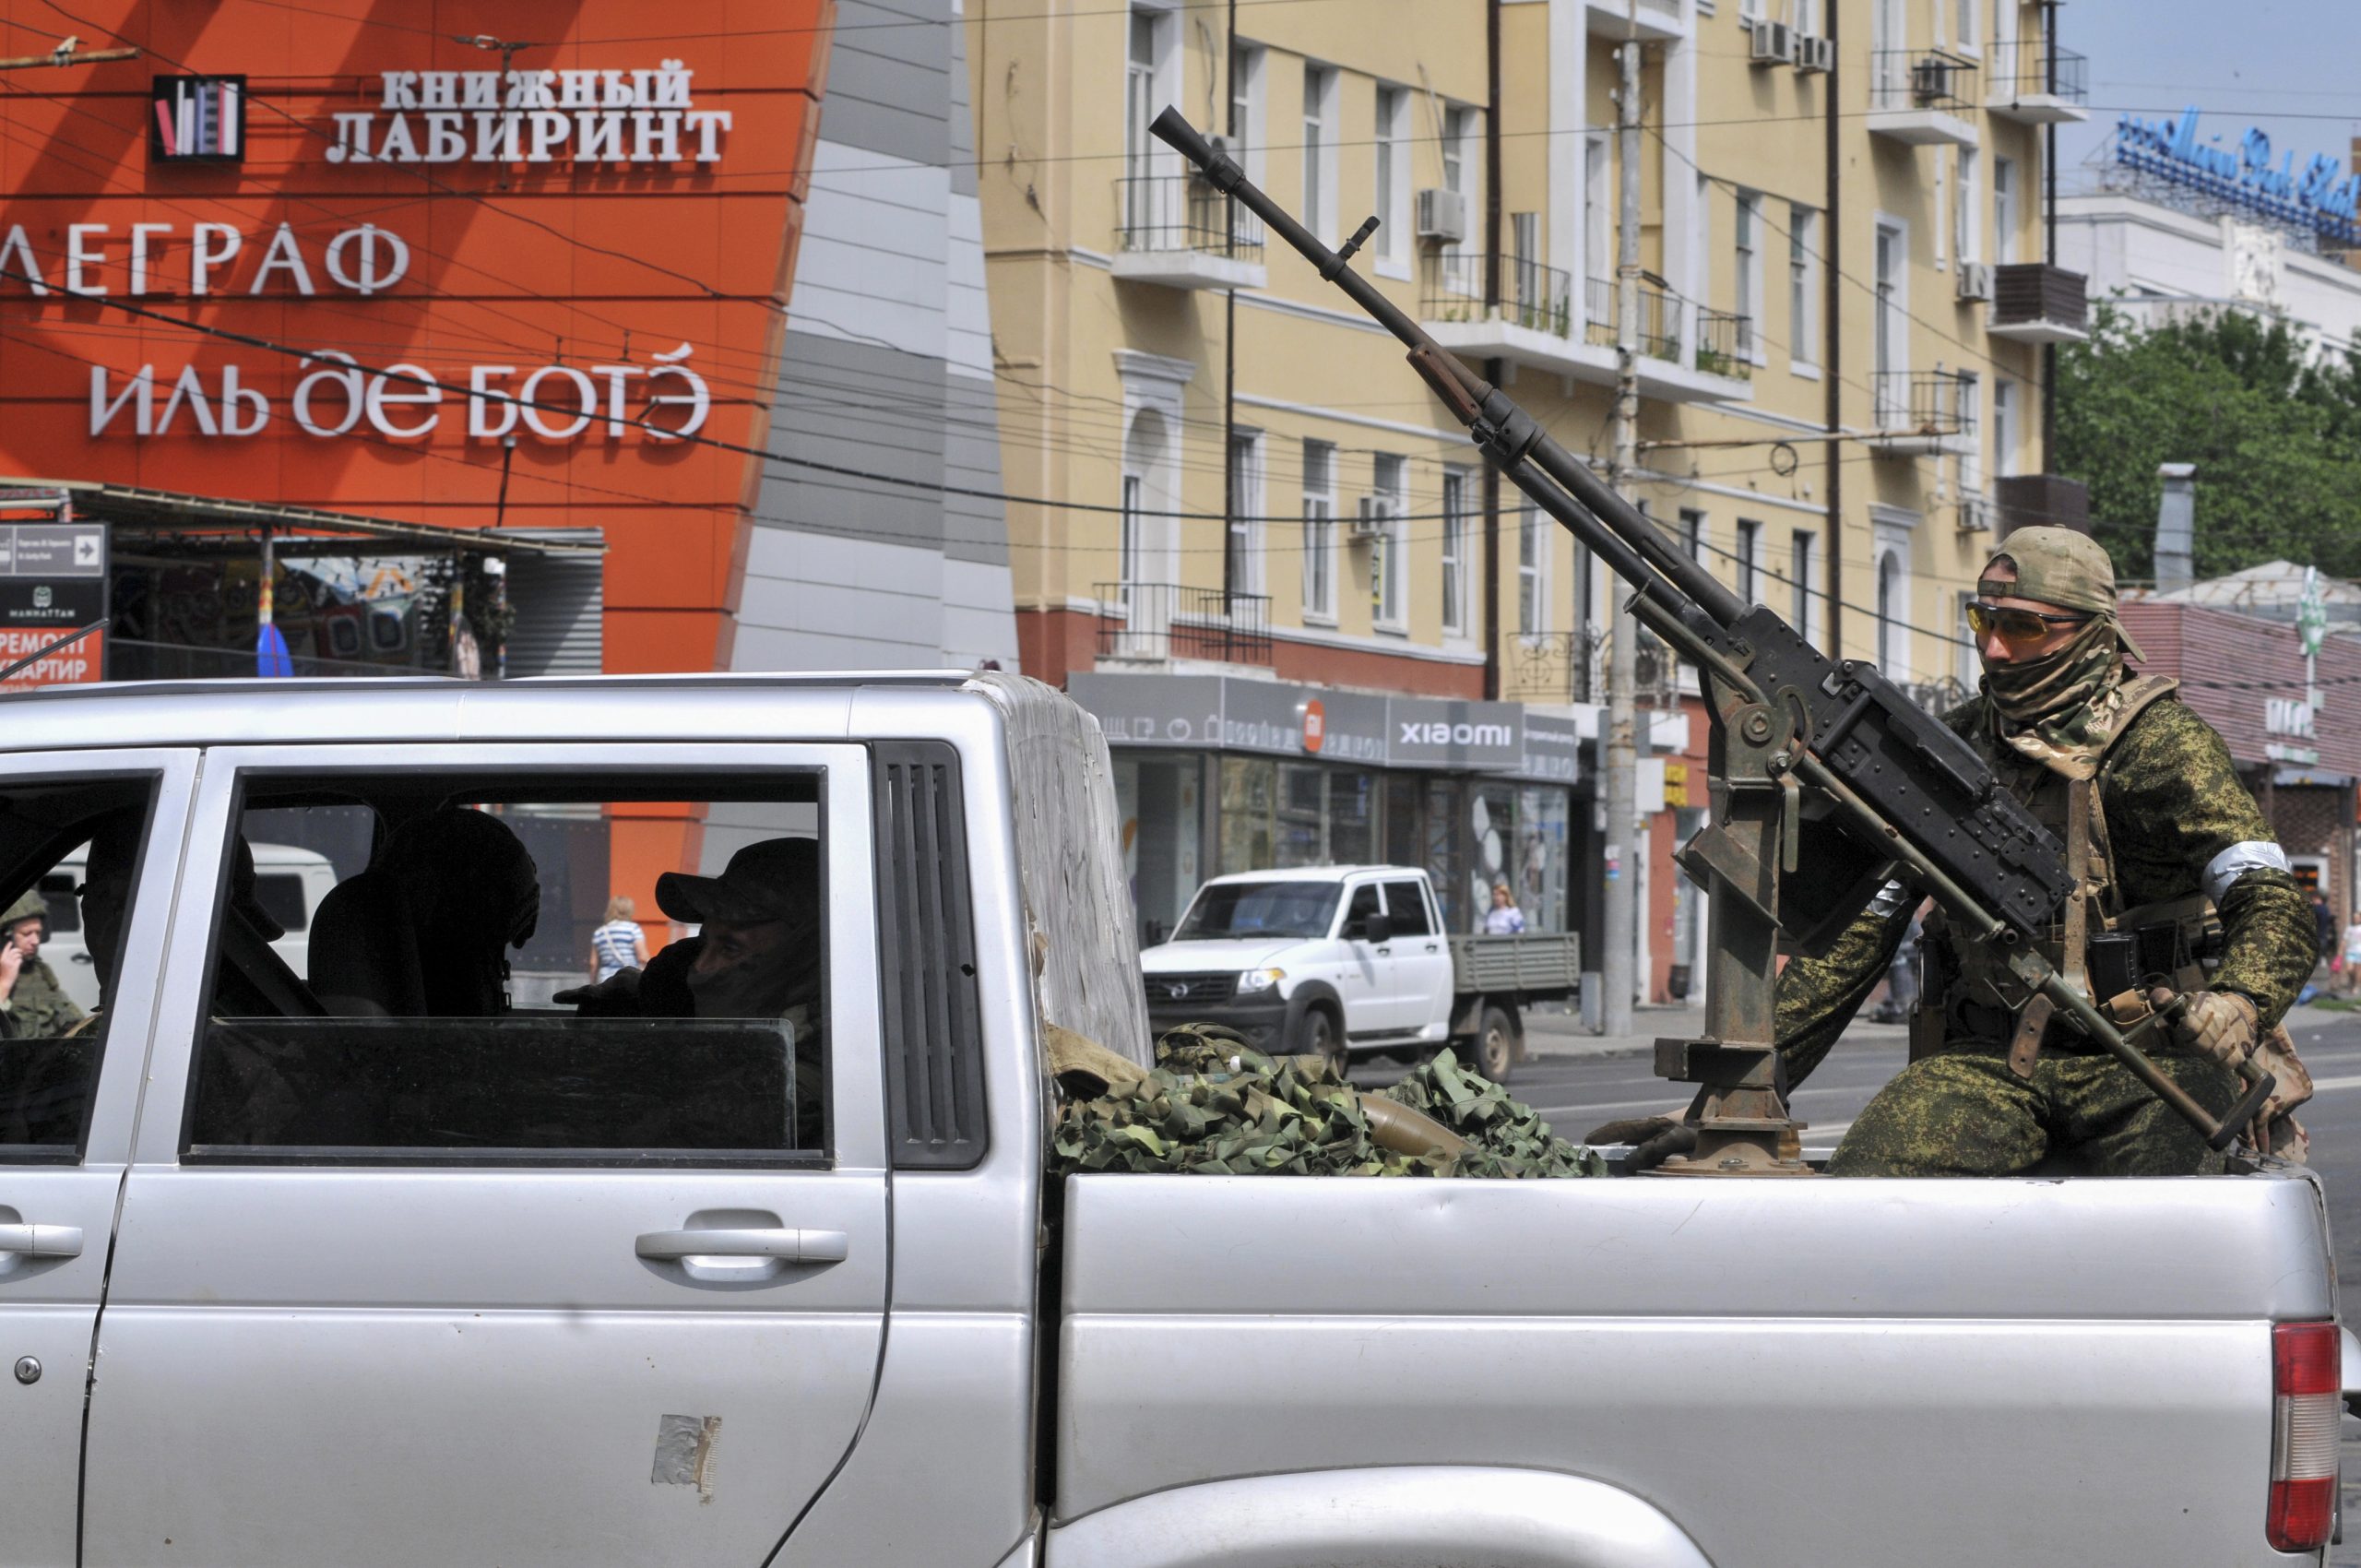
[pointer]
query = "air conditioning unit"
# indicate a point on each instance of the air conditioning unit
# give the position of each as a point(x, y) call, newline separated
point(1930, 80)
point(1815, 55)
point(1222, 147)
point(1975, 280)
point(1774, 43)
point(1975, 514)
point(1443, 214)
point(1369, 522)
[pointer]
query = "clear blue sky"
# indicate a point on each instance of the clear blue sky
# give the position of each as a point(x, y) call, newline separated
point(2286, 65)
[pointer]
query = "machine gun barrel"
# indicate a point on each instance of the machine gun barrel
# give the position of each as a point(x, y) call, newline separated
point(1887, 769)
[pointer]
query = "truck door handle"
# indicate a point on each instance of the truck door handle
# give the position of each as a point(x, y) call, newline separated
point(788, 1246)
point(1385, 952)
point(1430, 948)
point(42, 1241)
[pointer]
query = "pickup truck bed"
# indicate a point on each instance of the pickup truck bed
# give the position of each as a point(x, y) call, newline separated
point(1790, 1374)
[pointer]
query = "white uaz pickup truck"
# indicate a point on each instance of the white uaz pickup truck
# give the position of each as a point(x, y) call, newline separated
point(758, 1265)
point(1336, 959)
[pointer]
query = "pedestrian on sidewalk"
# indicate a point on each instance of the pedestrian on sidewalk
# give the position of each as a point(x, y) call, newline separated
point(2349, 981)
point(1503, 918)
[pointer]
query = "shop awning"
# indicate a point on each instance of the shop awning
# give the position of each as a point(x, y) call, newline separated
point(165, 511)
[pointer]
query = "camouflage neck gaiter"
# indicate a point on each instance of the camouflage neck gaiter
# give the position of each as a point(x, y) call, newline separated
point(2052, 696)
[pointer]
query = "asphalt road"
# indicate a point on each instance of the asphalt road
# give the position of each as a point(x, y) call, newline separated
point(1577, 1092)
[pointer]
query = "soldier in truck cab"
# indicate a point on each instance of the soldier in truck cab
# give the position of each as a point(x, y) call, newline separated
point(2161, 839)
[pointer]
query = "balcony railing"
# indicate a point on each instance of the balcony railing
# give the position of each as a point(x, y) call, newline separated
point(1921, 78)
point(1725, 344)
point(1181, 212)
point(1553, 667)
point(1659, 319)
point(1539, 298)
point(1930, 403)
point(2028, 71)
point(1158, 622)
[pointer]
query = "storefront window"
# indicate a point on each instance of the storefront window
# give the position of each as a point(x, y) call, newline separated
point(1279, 814)
point(1156, 799)
point(1491, 837)
point(1352, 818)
point(1248, 786)
point(1540, 879)
point(1444, 856)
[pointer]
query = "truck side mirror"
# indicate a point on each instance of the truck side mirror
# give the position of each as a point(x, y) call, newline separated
point(1377, 928)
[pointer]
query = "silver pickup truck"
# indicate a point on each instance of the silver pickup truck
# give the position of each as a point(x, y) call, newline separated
point(754, 1262)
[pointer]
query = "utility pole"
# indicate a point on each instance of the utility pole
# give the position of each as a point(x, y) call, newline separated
point(1623, 753)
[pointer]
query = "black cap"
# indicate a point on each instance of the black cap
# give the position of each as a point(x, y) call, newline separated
point(775, 879)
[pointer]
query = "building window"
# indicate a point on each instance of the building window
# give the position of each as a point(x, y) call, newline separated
point(1694, 539)
point(1890, 615)
point(1455, 551)
point(2004, 210)
point(1807, 18)
point(1532, 571)
point(1803, 286)
point(1749, 556)
point(1139, 94)
point(1387, 550)
point(1319, 531)
point(1750, 268)
point(1127, 541)
point(1392, 174)
point(1971, 446)
point(1245, 73)
point(1889, 331)
point(1967, 242)
point(1800, 584)
point(1455, 138)
point(2004, 426)
point(1319, 152)
point(1242, 561)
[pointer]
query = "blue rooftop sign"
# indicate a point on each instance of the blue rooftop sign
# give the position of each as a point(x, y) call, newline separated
point(2322, 196)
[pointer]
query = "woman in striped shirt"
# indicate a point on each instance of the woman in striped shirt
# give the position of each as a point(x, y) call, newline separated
point(619, 944)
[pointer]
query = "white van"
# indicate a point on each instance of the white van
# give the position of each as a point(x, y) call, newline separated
point(288, 883)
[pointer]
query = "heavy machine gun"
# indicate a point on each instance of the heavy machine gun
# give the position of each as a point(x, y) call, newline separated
point(1826, 780)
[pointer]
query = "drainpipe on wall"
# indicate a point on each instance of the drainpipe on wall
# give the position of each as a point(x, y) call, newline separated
point(1493, 369)
point(1832, 308)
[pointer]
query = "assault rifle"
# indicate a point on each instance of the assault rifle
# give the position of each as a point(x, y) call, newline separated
point(1826, 780)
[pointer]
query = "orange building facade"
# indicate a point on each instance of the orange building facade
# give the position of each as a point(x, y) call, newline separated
point(331, 257)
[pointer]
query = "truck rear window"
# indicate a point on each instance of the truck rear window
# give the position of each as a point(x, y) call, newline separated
point(1228, 909)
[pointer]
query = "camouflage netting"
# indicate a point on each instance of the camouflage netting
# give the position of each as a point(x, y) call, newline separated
point(1215, 1105)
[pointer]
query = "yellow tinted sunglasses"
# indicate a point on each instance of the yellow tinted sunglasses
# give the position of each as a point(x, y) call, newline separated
point(2018, 628)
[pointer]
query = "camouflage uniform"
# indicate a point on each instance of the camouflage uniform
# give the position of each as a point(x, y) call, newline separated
point(2173, 825)
point(37, 1008)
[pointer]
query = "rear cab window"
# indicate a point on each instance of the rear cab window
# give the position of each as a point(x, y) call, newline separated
point(443, 1007)
point(1406, 909)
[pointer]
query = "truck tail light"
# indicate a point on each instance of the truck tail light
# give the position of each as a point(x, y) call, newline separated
point(2306, 1402)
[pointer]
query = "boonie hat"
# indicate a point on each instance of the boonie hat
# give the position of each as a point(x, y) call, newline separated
point(773, 880)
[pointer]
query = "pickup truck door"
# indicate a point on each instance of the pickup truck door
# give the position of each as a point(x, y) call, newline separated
point(66, 1107)
point(1359, 973)
point(1419, 970)
point(337, 1350)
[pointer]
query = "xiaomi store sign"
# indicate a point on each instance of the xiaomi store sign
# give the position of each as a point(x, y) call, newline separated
point(326, 261)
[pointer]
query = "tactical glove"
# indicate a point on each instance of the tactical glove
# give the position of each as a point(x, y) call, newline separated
point(2221, 1025)
point(1654, 1139)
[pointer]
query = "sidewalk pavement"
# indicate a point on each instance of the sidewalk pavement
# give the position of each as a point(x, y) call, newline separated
point(1557, 1033)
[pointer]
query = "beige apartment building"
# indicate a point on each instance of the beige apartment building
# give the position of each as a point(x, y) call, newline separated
point(1315, 628)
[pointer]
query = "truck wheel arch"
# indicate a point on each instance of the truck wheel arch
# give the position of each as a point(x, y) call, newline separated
point(1400, 1516)
point(1311, 994)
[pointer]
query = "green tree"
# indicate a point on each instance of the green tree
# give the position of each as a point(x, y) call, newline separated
point(2276, 441)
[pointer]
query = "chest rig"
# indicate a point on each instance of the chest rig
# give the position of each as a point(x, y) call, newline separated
point(2101, 947)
